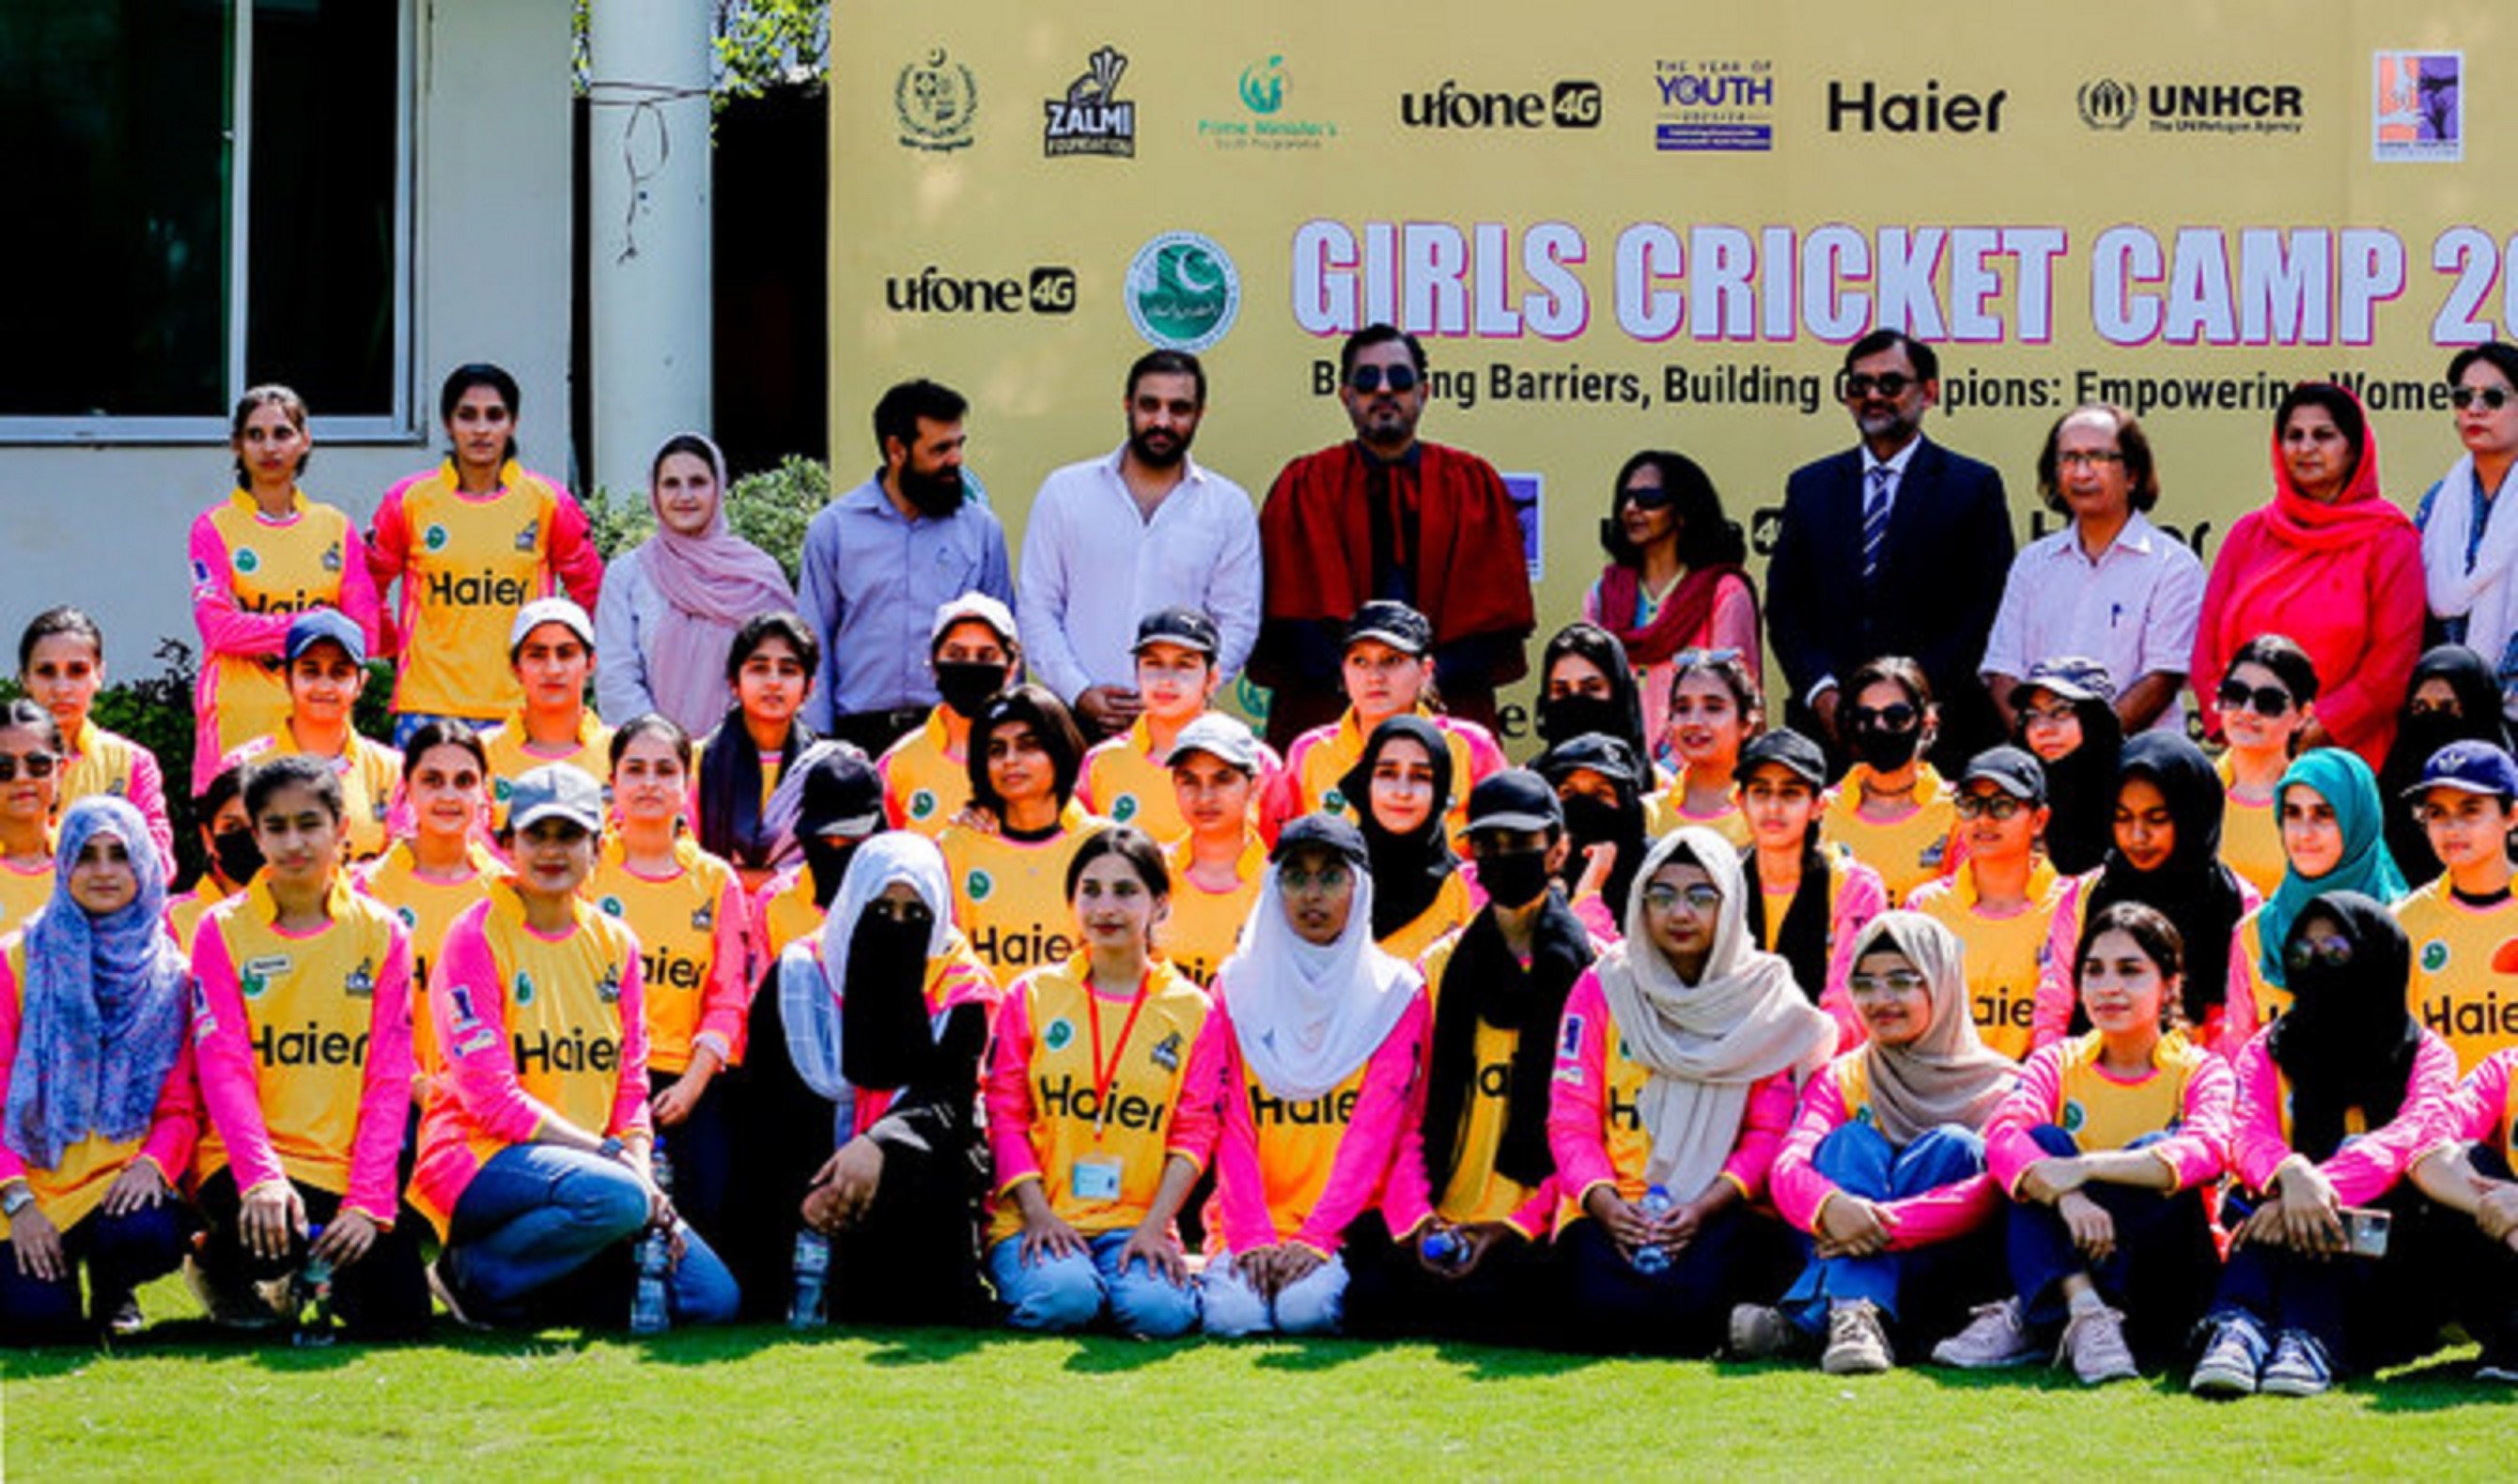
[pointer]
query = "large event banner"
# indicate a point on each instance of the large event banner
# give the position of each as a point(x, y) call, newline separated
point(1623, 227)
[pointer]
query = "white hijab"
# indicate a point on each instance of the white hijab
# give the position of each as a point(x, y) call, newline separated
point(809, 1000)
point(1308, 1014)
point(2487, 598)
point(1706, 1045)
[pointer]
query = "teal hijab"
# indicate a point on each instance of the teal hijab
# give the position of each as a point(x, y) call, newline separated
point(2344, 781)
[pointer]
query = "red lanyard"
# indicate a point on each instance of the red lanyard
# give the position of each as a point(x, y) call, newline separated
point(1104, 1076)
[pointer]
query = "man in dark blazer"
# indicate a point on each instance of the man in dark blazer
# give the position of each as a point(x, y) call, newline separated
point(1896, 546)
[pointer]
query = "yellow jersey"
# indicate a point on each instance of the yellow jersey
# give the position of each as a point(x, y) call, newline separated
point(2005, 954)
point(2454, 991)
point(1204, 927)
point(1010, 895)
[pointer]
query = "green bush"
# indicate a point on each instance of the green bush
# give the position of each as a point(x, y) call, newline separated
point(769, 509)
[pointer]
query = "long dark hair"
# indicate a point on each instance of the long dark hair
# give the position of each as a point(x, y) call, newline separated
point(1050, 721)
point(1705, 537)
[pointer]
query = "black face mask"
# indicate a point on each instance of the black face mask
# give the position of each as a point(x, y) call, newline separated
point(933, 495)
point(1590, 822)
point(1884, 750)
point(967, 685)
point(237, 853)
point(884, 1035)
point(827, 858)
point(1563, 718)
point(1513, 877)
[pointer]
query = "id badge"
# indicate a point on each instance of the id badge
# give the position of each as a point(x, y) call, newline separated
point(1095, 1179)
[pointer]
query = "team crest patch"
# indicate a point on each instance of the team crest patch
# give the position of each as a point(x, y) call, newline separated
point(1332, 801)
point(1060, 1031)
point(361, 983)
point(1167, 1052)
point(608, 988)
point(434, 539)
point(612, 907)
point(464, 1015)
point(1123, 809)
point(481, 1039)
point(1931, 859)
point(258, 973)
point(409, 919)
point(2434, 955)
point(526, 538)
point(247, 560)
point(922, 803)
point(977, 884)
point(1570, 1042)
point(201, 574)
point(705, 918)
point(331, 558)
point(524, 988)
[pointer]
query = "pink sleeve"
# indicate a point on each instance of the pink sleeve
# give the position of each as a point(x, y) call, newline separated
point(2359, 711)
point(2366, 1167)
point(2472, 1113)
point(1734, 624)
point(2257, 1147)
point(729, 1000)
point(1599, 922)
point(2009, 1148)
point(468, 1005)
point(1591, 603)
point(2237, 1020)
point(1241, 1185)
point(375, 1150)
point(629, 1098)
point(1407, 1196)
point(388, 553)
point(2051, 1015)
point(1372, 1134)
point(1280, 797)
point(358, 602)
point(226, 629)
point(2200, 1151)
point(1006, 1091)
point(1576, 1126)
point(148, 796)
point(1863, 897)
point(12, 1166)
point(1196, 1108)
point(224, 1060)
point(1940, 1213)
point(176, 1124)
point(1794, 1182)
point(1486, 758)
point(573, 557)
point(1764, 1126)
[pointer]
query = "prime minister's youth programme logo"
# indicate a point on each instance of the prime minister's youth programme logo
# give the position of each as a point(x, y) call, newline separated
point(1183, 291)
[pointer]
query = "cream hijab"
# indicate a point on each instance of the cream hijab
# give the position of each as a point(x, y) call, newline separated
point(1705, 1045)
point(1946, 1075)
point(1308, 1014)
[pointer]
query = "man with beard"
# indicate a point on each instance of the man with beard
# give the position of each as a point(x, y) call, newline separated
point(882, 559)
point(1132, 533)
point(1388, 516)
point(1898, 546)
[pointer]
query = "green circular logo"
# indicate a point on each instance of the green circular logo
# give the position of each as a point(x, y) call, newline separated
point(2075, 1117)
point(1332, 801)
point(976, 885)
point(2434, 957)
point(1061, 1031)
point(435, 539)
point(409, 919)
point(501, 788)
point(1263, 85)
point(1182, 291)
point(1123, 809)
point(524, 988)
point(612, 907)
point(922, 803)
point(246, 560)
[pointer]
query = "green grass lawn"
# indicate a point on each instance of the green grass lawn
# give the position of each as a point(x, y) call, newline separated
point(932, 1403)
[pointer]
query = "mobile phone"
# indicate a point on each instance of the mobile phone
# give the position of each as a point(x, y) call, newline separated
point(2364, 1231)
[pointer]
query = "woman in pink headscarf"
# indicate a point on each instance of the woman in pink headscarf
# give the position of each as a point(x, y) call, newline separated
point(671, 607)
point(2330, 564)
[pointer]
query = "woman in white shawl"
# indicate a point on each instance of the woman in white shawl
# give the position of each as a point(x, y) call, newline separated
point(1885, 1167)
point(2469, 538)
point(1323, 1033)
point(861, 1109)
point(1678, 1068)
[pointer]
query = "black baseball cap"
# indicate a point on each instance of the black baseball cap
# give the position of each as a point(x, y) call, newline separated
point(1331, 833)
point(1184, 627)
point(1396, 624)
point(1515, 798)
point(2009, 768)
point(842, 795)
point(1611, 758)
point(1787, 750)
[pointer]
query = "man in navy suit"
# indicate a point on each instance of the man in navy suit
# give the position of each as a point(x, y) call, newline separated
point(1898, 546)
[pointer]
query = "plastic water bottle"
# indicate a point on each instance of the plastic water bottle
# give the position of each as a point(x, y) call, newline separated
point(1654, 1258)
point(806, 1309)
point(314, 1290)
point(1444, 1247)
point(651, 1310)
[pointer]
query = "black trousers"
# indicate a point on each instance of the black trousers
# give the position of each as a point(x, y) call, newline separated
point(1389, 1293)
point(383, 1295)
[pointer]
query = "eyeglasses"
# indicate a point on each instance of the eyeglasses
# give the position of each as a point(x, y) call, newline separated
point(2087, 458)
point(1688, 660)
point(1701, 898)
point(38, 765)
point(1329, 878)
point(1373, 378)
point(1894, 982)
point(1896, 716)
point(2493, 398)
point(2001, 806)
point(1852, 386)
point(1641, 497)
point(2263, 699)
point(2048, 717)
point(2333, 953)
point(2433, 708)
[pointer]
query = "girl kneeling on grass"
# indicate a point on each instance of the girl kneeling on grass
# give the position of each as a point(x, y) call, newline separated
point(1885, 1167)
point(1323, 1033)
point(2107, 1148)
point(2470, 1171)
point(1101, 1102)
point(96, 1080)
point(1678, 1067)
point(533, 1148)
point(2336, 1101)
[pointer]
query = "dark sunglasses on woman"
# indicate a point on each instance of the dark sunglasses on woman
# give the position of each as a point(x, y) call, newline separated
point(2263, 699)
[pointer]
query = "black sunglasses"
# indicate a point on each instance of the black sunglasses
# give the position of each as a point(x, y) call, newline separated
point(38, 765)
point(2333, 953)
point(2493, 398)
point(1851, 385)
point(1896, 716)
point(1372, 378)
point(2263, 699)
point(1646, 496)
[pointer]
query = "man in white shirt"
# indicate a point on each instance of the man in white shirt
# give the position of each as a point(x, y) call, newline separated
point(2109, 585)
point(1143, 529)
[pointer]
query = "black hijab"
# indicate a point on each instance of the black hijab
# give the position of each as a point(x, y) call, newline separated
point(1802, 940)
point(2350, 1038)
point(2479, 719)
point(730, 794)
point(1408, 870)
point(2081, 787)
point(2192, 888)
point(1590, 822)
point(1621, 715)
point(1486, 983)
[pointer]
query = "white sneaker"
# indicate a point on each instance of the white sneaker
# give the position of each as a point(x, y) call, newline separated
point(2094, 1341)
point(1857, 1341)
point(1995, 1338)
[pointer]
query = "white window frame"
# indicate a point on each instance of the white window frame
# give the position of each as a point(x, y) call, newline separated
point(396, 426)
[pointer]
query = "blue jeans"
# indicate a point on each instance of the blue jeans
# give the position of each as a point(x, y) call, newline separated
point(1860, 1160)
point(536, 1216)
point(120, 1253)
point(1069, 1293)
point(1315, 1305)
point(2160, 1274)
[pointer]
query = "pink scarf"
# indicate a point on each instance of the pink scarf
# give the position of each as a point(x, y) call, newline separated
point(711, 583)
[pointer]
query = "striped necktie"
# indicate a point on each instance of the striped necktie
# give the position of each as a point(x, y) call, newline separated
point(1875, 520)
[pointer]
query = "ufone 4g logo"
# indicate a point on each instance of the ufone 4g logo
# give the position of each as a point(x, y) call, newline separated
point(1571, 104)
point(1048, 290)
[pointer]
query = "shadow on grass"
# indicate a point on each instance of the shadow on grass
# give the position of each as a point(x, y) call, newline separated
point(1113, 1355)
point(1500, 1363)
point(272, 1349)
point(1284, 1353)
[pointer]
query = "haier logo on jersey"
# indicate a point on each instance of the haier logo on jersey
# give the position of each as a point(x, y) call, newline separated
point(1328, 1110)
point(1064, 1097)
point(673, 970)
point(569, 1051)
point(1020, 947)
point(274, 604)
point(313, 1046)
point(486, 589)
